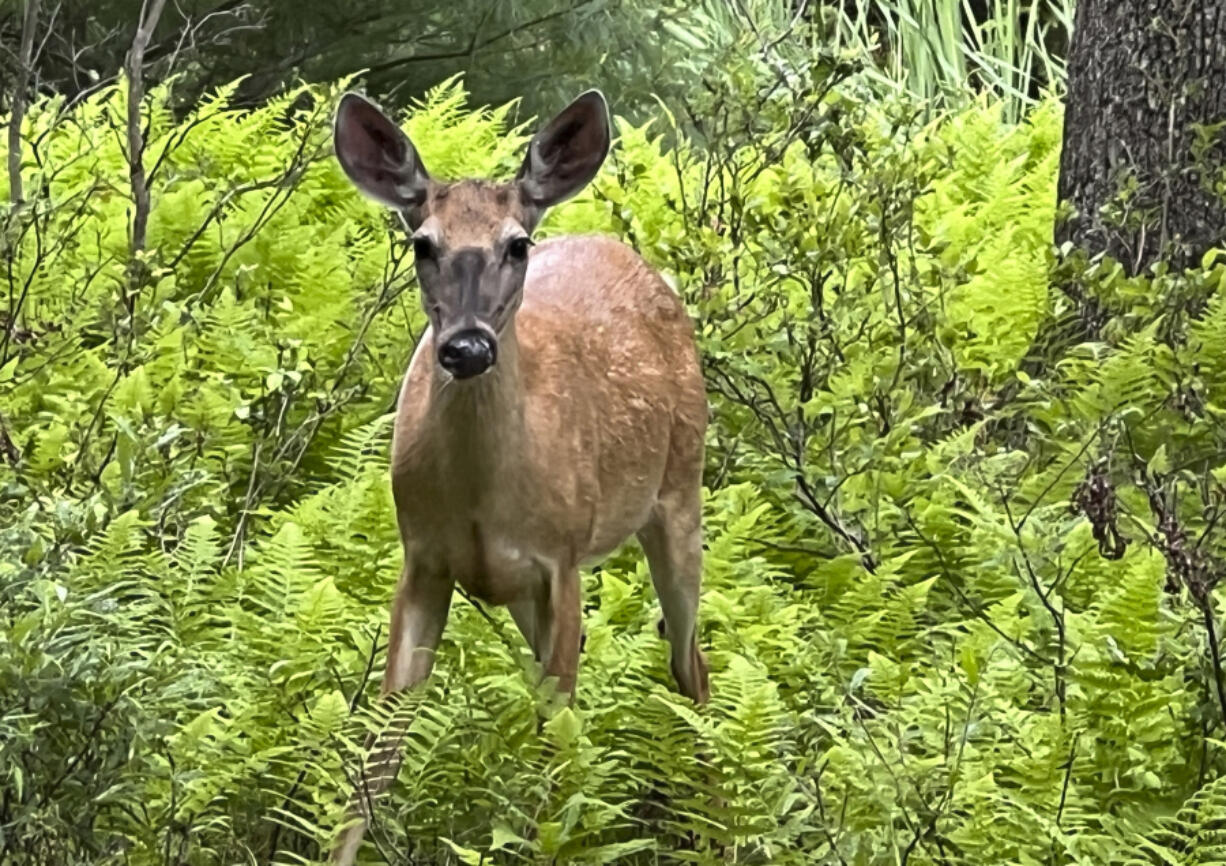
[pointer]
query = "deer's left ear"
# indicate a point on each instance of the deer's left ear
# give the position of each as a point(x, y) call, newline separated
point(564, 156)
point(377, 156)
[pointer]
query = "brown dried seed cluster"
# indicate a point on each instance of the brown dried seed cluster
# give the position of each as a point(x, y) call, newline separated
point(1095, 498)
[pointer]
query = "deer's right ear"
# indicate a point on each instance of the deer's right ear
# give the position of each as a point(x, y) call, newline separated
point(376, 154)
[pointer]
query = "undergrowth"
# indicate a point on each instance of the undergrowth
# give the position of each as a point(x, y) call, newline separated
point(945, 606)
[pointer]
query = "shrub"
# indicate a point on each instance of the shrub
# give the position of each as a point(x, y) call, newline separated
point(921, 652)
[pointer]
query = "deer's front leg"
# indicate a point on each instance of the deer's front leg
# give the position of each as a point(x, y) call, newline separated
point(418, 616)
point(565, 629)
point(419, 613)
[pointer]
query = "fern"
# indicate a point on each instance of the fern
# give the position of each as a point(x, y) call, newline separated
point(918, 653)
point(1195, 836)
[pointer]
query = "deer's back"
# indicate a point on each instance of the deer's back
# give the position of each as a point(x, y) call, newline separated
point(595, 312)
point(605, 337)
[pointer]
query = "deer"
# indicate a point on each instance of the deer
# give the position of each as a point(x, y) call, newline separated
point(553, 407)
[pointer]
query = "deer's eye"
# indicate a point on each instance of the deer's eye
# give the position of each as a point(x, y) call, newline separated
point(423, 249)
point(517, 249)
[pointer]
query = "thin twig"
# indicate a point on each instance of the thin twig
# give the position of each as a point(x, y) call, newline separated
point(1215, 654)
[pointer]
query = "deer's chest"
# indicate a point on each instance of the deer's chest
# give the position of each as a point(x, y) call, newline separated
point(495, 494)
point(493, 560)
point(496, 533)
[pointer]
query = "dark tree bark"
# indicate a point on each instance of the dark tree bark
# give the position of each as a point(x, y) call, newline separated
point(24, 56)
point(1146, 85)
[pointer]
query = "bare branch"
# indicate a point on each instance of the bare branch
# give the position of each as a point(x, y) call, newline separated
point(135, 66)
point(470, 50)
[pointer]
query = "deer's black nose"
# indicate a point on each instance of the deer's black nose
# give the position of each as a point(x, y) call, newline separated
point(467, 354)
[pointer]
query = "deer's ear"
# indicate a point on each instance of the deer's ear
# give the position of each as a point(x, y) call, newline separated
point(376, 154)
point(564, 156)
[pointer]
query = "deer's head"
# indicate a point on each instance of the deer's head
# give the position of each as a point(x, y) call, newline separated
point(471, 238)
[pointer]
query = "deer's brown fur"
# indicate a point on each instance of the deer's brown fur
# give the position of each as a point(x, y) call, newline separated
point(588, 429)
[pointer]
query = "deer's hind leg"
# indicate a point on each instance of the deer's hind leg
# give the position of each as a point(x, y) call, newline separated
point(672, 541)
point(565, 630)
point(533, 615)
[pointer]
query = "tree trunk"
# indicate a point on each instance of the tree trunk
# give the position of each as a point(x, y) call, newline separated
point(24, 56)
point(1141, 158)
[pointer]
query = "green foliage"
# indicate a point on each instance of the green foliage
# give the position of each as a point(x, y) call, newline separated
point(546, 51)
point(950, 49)
point(919, 652)
point(1195, 836)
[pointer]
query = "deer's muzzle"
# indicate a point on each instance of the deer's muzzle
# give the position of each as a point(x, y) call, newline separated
point(468, 353)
